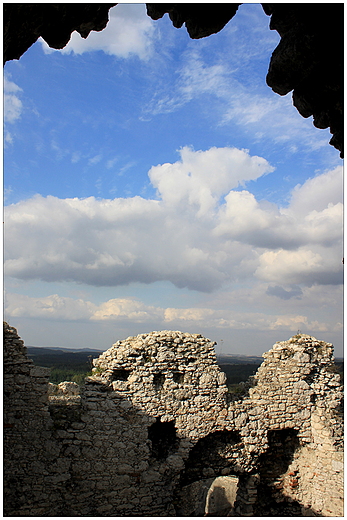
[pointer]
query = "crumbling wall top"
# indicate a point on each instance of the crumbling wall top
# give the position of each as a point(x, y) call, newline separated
point(166, 374)
point(164, 349)
point(302, 347)
point(14, 349)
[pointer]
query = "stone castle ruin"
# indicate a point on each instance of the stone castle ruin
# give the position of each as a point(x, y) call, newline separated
point(154, 432)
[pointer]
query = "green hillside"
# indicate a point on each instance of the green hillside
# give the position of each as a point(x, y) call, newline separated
point(65, 365)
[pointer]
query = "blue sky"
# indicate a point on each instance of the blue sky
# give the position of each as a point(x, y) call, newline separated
point(155, 182)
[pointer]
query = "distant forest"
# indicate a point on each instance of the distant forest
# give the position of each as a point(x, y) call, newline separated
point(76, 365)
point(65, 365)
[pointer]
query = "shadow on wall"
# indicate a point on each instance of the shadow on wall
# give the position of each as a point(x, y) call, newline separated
point(100, 454)
point(133, 475)
point(209, 482)
point(106, 457)
point(221, 496)
point(208, 497)
point(273, 464)
point(203, 497)
point(134, 445)
point(213, 456)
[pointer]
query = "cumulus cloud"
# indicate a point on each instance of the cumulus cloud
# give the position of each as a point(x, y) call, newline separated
point(130, 310)
point(129, 32)
point(200, 233)
point(201, 178)
point(54, 307)
point(307, 266)
point(49, 307)
point(302, 222)
point(127, 309)
point(312, 196)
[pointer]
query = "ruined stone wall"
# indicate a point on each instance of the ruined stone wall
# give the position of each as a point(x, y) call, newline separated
point(31, 467)
point(298, 394)
point(155, 433)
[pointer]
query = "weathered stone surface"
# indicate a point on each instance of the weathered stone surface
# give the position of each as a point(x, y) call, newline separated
point(143, 435)
point(66, 389)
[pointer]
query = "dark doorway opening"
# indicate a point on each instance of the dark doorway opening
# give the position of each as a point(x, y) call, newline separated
point(164, 439)
point(211, 455)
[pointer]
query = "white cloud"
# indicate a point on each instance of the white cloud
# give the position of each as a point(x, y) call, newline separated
point(234, 92)
point(192, 314)
point(129, 32)
point(111, 162)
point(194, 79)
point(201, 178)
point(49, 307)
point(13, 106)
point(95, 160)
point(54, 307)
point(191, 236)
point(130, 310)
point(127, 309)
point(313, 195)
point(306, 266)
point(242, 214)
point(76, 156)
point(7, 192)
point(266, 225)
point(126, 167)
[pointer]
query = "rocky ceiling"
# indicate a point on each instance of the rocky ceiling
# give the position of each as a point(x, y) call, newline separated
point(307, 61)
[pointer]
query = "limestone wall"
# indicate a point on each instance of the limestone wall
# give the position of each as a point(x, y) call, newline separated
point(31, 468)
point(155, 433)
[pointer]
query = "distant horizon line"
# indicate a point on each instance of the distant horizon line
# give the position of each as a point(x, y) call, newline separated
point(88, 349)
point(80, 349)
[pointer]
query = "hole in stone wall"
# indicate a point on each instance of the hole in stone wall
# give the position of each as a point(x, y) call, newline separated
point(178, 377)
point(163, 437)
point(158, 380)
point(310, 378)
point(286, 439)
point(120, 374)
point(191, 360)
point(210, 456)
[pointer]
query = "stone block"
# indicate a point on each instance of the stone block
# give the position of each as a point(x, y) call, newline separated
point(40, 372)
point(337, 465)
point(150, 476)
